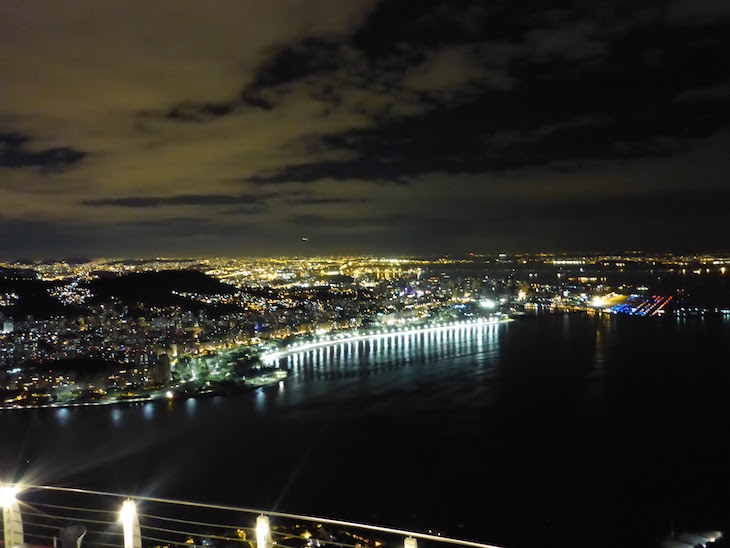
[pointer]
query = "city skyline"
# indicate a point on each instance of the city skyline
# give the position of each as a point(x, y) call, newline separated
point(384, 128)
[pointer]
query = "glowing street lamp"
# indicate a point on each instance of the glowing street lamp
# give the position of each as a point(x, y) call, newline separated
point(263, 532)
point(130, 522)
point(7, 495)
point(12, 522)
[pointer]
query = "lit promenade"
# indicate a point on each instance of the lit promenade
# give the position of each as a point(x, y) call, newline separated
point(35, 515)
point(377, 334)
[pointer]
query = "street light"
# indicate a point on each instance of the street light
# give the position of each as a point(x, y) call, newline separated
point(263, 532)
point(130, 522)
point(7, 495)
point(12, 521)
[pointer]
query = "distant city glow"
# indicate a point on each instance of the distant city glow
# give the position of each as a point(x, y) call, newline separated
point(275, 307)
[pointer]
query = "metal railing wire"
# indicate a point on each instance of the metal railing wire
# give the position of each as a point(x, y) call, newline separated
point(184, 524)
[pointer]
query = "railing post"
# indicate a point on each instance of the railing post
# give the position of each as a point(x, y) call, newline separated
point(130, 521)
point(12, 522)
point(410, 542)
point(263, 533)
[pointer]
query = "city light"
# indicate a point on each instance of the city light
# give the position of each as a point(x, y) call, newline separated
point(174, 351)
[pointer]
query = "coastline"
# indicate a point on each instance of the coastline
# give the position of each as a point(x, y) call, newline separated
point(174, 393)
point(354, 336)
point(158, 397)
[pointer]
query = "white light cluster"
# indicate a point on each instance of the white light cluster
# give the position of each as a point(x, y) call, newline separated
point(297, 347)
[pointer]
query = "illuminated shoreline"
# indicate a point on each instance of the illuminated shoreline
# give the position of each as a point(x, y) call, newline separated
point(269, 358)
point(373, 334)
point(140, 399)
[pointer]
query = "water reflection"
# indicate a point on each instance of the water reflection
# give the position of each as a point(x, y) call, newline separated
point(116, 416)
point(360, 359)
point(63, 416)
point(260, 401)
point(190, 406)
point(148, 411)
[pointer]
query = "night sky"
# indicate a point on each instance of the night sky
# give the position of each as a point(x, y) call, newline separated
point(181, 127)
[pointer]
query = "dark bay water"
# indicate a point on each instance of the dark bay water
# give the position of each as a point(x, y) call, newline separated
point(548, 431)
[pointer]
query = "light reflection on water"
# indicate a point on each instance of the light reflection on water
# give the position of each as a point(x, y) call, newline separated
point(376, 356)
point(190, 406)
point(63, 416)
point(116, 416)
point(148, 411)
point(260, 401)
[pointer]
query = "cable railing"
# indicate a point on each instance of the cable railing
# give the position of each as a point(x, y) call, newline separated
point(65, 517)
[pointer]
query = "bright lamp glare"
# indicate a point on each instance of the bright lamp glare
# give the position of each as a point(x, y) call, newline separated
point(487, 304)
point(129, 509)
point(262, 531)
point(7, 496)
point(128, 513)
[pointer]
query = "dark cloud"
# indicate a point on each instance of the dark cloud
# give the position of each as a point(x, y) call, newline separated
point(716, 92)
point(254, 99)
point(247, 210)
point(248, 203)
point(198, 112)
point(172, 236)
point(635, 220)
point(694, 12)
point(312, 56)
point(16, 151)
point(385, 125)
point(168, 223)
point(325, 200)
point(669, 207)
point(601, 84)
point(180, 200)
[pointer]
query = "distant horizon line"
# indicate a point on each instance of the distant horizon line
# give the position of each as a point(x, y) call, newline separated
point(413, 256)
